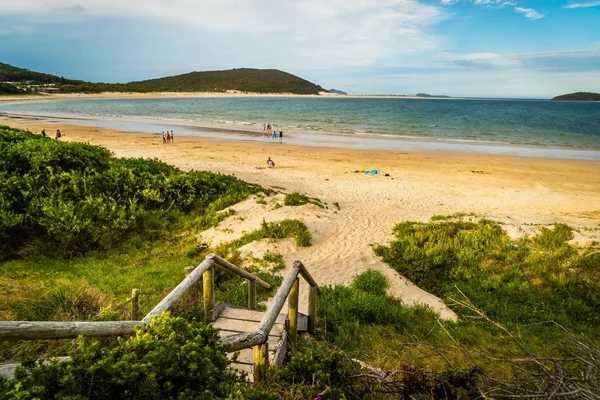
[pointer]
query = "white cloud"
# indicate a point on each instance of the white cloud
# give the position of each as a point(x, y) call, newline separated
point(325, 33)
point(529, 13)
point(585, 4)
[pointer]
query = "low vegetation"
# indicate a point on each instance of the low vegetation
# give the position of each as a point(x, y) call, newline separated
point(299, 199)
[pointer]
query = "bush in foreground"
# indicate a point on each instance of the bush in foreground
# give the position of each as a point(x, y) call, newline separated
point(173, 359)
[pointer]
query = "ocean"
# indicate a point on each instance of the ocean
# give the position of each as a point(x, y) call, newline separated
point(519, 127)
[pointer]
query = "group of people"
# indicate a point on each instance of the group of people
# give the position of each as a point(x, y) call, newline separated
point(167, 136)
point(57, 136)
point(268, 131)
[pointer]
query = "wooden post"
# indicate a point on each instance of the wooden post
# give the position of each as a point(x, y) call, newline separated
point(261, 362)
point(293, 314)
point(135, 304)
point(312, 309)
point(252, 294)
point(209, 293)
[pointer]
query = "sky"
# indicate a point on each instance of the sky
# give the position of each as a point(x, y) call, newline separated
point(480, 48)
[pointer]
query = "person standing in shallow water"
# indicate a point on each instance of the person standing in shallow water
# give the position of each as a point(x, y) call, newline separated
point(171, 135)
point(164, 138)
point(280, 136)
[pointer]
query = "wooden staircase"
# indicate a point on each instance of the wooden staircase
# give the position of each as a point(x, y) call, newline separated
point(254, 339)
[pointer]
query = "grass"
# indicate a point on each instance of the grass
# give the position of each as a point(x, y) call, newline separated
point(297, 199)
point(278, 230)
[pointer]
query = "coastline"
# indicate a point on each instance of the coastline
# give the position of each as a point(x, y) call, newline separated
point(522, 193)
point(248, 131)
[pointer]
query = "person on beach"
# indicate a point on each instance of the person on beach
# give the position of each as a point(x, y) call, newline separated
point(168, 137)
point(171, 135)
point(274, 136)
point(280, 136)
point(43, 132)
point(270, 163)
point(58, 134)
point(164, 138)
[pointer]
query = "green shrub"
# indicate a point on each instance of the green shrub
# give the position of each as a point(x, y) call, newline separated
point(364, 302)
point(299, 199)
point(172, 360)
point(533, 279)
point(278, 230)
point(66, 198)
point(372, 282)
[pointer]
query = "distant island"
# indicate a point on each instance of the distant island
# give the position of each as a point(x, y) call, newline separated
point(14, 80)
point(432, 95)
point(579, 96)
point(335, 91)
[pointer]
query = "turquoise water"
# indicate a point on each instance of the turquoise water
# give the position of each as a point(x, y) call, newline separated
point(506, 122)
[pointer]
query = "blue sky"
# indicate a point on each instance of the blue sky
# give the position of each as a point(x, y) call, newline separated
point(495, 48)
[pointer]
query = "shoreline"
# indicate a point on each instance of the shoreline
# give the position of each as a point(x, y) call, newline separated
point(521, 193)
point(232, 130)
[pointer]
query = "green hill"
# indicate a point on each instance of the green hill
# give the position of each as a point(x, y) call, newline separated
point(9, 73)
point(579, 96)
point(241, 79)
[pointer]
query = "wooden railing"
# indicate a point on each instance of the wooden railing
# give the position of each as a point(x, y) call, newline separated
point(289, 289)
point(258, 339)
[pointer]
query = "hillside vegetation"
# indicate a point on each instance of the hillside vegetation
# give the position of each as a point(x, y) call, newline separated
point(579, 96)
point(241, 79)
point(9, 73)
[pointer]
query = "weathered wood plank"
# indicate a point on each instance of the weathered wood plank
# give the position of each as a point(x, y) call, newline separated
point(29, 330)
point(273, 340)
point(245, 368)
point(302, 322)
point(280, 350)
point(237, 325)
point(237, 270)
point(306, 275)
point(168, 302)
point(312, 309)
point(243, 340)
point(248, 315)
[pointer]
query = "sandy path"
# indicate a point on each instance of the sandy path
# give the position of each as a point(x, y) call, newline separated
point(521, 192)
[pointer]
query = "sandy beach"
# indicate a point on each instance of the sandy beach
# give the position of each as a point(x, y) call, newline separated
point(522, 193)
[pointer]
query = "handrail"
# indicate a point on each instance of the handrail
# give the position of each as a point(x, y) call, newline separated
point(30, 330)
point(168, 302)
point(221, 262)
point(260, 335)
